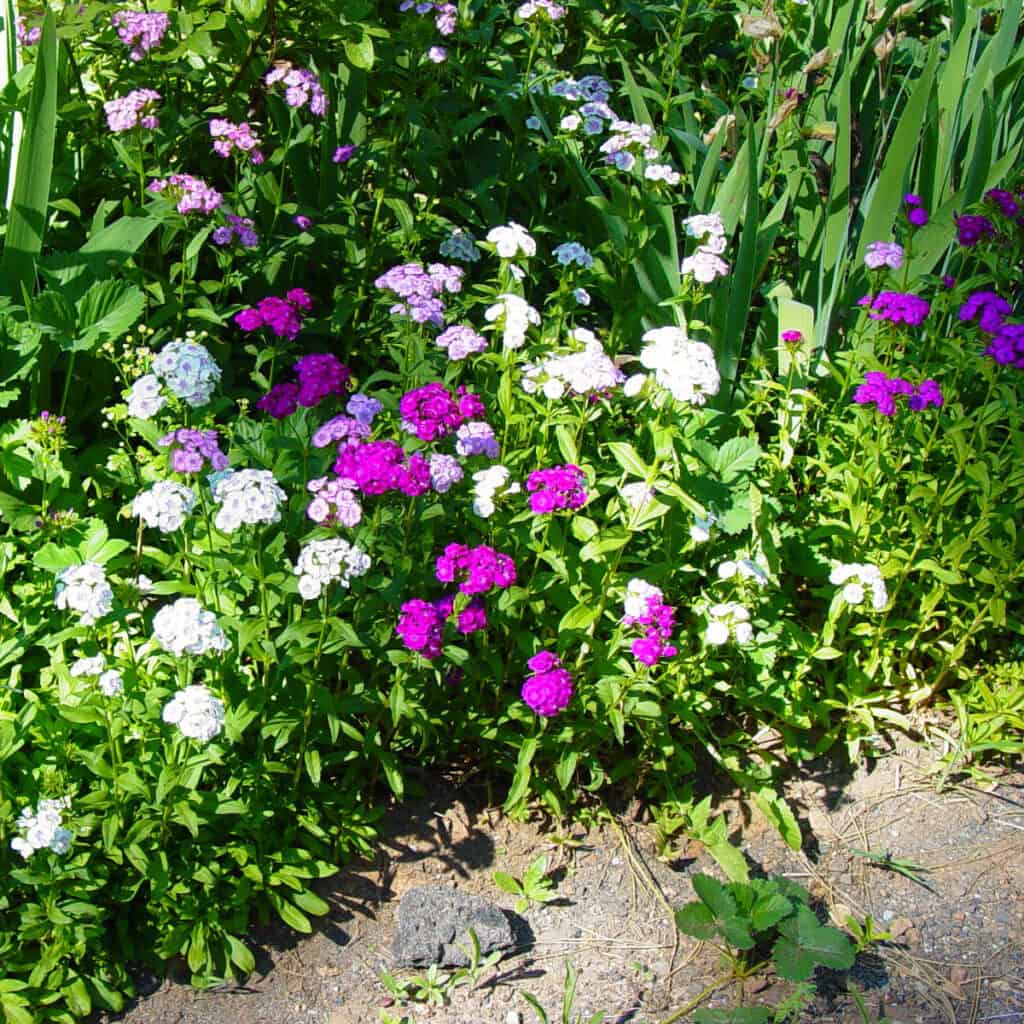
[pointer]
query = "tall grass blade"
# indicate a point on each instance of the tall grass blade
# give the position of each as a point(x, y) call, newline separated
point(27, 214)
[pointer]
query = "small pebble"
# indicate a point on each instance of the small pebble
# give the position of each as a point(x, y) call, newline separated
point(513, 1017)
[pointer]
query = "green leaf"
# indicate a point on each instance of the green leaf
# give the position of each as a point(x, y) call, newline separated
point(611, 539)
point(15, 1012)
point(625, 455)
point(804, 943)
point(778, 812)
point(241, 955)
point(579, 617)
point(291, 915)
point(697, 920)
point(106, 311)
point(312, 762)
point(311, 903)
point(360, 54)
point(521, 780)
point(507, 883)
point(26, 217)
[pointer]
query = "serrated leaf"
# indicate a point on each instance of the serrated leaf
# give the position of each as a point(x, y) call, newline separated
point(507, 883)
point(697, 920)
point(804, 943)
point(107, 311)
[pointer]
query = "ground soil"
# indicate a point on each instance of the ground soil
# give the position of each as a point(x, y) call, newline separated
point(956, 953)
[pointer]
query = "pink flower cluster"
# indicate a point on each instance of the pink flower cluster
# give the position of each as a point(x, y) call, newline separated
point(189, 193)
point(556, 488)
point(459, 342)
point(431, 411)
point(421, 623)
point(477, 569)
point(658, 621)
point(376, 467)
point(27, 36)
point(549, 689)
point(282, 316)
point(881, 390)
point(125, 112)
point(339, 428)
point(334, 502)
point(141, 30)
point(228, 137)
point(302, 87)
point(192, 449)
point(318, 375)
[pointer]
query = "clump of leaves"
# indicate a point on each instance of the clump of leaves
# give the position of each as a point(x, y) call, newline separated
point(535, 886)
point(766, 921)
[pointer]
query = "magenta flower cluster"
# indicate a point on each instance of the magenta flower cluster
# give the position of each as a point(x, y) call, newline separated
point(282, 316)
point(896, 307)
point(916, 213)
point(228, 136)
point(658, 620)
point(431, 411)
point(133, 110)
point(190, 194)
point(1008, 203)
point(555, 488)
point(991, 310)
point(420, 290)
point(549, 689)
point(192, 449)
point(376, 467)
point(881, 390)
point(301, 87)
point(241, 228)
point(421, 626)
point(142, 31)
point(343, 154)
point(334, 502)
point(318, 376)
point(477, 570)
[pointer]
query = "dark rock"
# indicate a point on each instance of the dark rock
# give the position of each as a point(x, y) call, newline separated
point(433, 922)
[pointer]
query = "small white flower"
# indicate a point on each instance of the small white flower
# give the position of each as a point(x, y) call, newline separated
point(705, 265)
point(686, 368)
point(43, 828)
point(725, 619)
point(84, 589)
point(185, 627)
point(700, 531)
point(144, 398)
point(88, 666)
point(534, 123)
point(250, 496)
point(188, 370)
point(858, 577)
point(570, 122)
point(638, 594)
point(110, 683)
point(322, 562)
point(516, 314)
point(637, 495)
point(165, 506)
point(512, 240)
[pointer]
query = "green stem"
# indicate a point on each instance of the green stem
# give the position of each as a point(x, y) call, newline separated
point(699, 998)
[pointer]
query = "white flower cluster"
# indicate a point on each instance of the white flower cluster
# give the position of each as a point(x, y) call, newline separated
point(512, 240)
point(745, 567)
point(487, 483)
point(706, 262)
point(247, 496)
point(728, 618)
point(686, 368)
point(638, 592)
point(196, 712)
point(186, 368)
point(165, 505)
point(578, 372)
point(84, 589)
point(573, 252)
point(460, 245)
point(185, 627)
point(856, 576)
point(637, 495)
point(110, 681)
point(516, 314)
point(43, 828)
point(321, 562)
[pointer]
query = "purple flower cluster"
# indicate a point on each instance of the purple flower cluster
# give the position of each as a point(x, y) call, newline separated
point(1008, 203)
point(431, 411)
point(188, 192)
point(228, 137)
point(135, 109)
point(658, 621)
point(376, 467)
point(334, 502)
point(420, 289)
point(896, 307)
point(301, 87)
point(992, 307)
point(343, 154)
point(192, 449)
point(460, 342)
point(282, 316)
point(881, 390)
point(236, 227)
point(421, 625)
point(556, 488)
point(883, 254)
point(445, 472)
point(477, 569)
point(1007, 345)
point(916, 213)
point(549, 689)
point(477, 438)
point(970, 230)
point(363, 408)
point(27, 36)
point(340, 428)
point(318, 375)
point(140, 30)
point(445, 14)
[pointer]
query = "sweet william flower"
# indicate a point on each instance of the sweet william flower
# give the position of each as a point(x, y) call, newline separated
point(197, 713)
point(548, 690)
point(512, 240)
